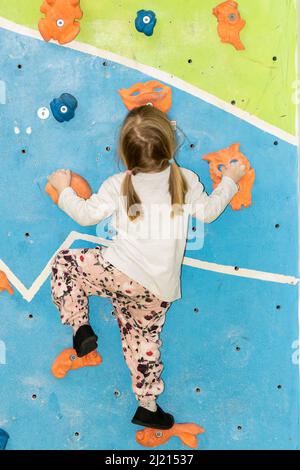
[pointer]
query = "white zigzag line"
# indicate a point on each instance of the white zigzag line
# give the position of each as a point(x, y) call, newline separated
point(28, 294)
point(159, 75)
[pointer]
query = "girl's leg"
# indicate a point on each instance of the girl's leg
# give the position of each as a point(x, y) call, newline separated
point(141, 319)
point(76, 274)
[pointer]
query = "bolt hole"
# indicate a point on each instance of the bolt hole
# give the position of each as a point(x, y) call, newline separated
point(192, 146)
point(236, 268)
point(23, 151)
point(277, 225)
point(239, 428)
point(278, 307)
point(238, 348)
point(233, 102)
point(76, 434)
point(30, 316)
point(279, 387)
point(117, 393)
point(190, 61)
point(19, 66)
point(275, 142)
point(34, 396)
point(27, 234)
point(194, 229)
point(198, 390)
point(107, 149)
point(196, 310)
point(274, 58)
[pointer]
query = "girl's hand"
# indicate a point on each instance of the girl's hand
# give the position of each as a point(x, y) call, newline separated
point(60, 179)
point(235, 171)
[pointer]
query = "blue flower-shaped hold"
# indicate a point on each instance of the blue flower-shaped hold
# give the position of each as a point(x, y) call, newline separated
point(145, 22)
point(63, 108)
point(3, 439)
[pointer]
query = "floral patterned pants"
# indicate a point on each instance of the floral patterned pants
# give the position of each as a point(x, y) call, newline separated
point(78, 273)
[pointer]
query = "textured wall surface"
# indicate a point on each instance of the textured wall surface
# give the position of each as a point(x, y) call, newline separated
point(186, 29)
point(228, 344)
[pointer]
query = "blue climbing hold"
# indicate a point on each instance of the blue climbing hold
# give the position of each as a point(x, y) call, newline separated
point(3, 439)
point(145, 22)
point(63, 108)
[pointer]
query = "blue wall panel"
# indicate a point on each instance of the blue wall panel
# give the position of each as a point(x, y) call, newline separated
point(237, 349)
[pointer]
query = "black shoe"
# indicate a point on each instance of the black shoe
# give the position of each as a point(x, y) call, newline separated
point(153, 419)
point(85, 340)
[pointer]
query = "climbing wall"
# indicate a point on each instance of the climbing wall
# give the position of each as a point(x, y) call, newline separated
point(230, 344)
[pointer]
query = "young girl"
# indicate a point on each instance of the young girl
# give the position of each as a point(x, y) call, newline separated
point(140, 270)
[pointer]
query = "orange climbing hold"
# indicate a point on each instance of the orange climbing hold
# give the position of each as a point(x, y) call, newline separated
point(60, 20)
point(223, 158)
point(4, 283)
point(187, 433)
point(230, 23)
point(153, 93)
point(78, 183)
point(67, 360)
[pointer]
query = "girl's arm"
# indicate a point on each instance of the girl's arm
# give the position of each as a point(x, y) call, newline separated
point(88, 211)
point(209, 208)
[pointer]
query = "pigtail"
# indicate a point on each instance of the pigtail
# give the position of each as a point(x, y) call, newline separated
point(132, 200)
point(178, 188)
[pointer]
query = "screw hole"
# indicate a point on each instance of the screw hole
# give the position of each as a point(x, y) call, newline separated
point(233, 102)
point(30, 316)
point(198, 390)
point(236, 268)
point(107, 149)
point(238, 348)
point(239, 428)
point(275, 142)
point(76, 434)
point(196, 310)
point(192, 146)
point(117, 393)
point(27, 234)
point(34, 396)
point(105, 64)
point(277, 225)
point(278, 307)
point(274, 58)
point(19, 66)
point(194, 229)
point(190, 61)
point(279, 387)
point(23, 151)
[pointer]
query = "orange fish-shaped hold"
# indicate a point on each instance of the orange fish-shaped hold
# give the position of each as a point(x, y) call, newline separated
point(60, 22)
point(230, 23)
point(187, 433)
point(78, 183)
point(4, 283)
point(153, 93)
point(224, 157)
point(68, 360)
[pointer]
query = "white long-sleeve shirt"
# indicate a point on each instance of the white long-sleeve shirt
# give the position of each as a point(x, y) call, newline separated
point(150, 249)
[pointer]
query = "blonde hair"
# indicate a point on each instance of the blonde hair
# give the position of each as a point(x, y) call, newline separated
point(147, 143)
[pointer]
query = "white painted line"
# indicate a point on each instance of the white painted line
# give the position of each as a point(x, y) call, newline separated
point(241, 272)
point(28, 294)
point(162, 76)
